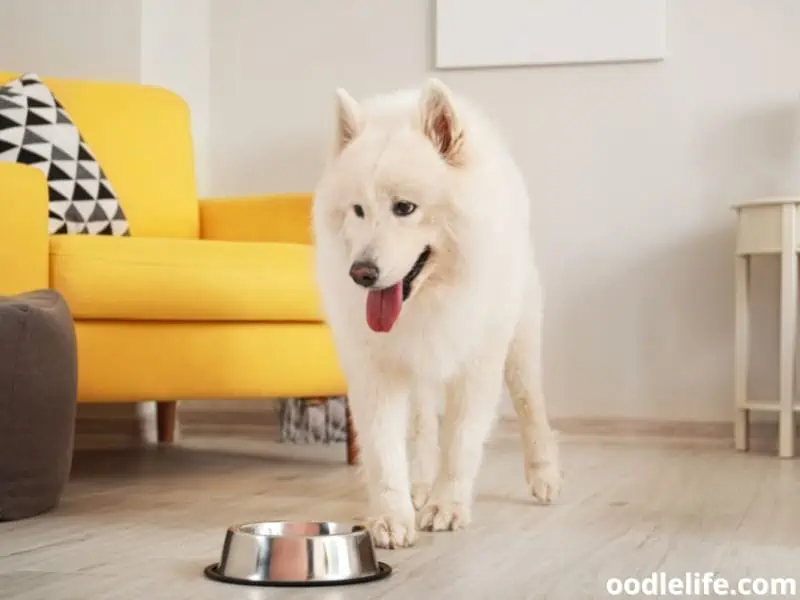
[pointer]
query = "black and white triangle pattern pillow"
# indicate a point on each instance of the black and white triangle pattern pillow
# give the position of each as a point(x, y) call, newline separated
point(37, 131)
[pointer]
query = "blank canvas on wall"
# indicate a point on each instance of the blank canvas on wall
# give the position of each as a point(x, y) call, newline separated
point(501, 33)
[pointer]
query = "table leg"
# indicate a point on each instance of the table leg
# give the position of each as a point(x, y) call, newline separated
point(788, 333)
point(741, 366)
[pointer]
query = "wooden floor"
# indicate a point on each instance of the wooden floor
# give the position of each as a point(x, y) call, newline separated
point(143, 524)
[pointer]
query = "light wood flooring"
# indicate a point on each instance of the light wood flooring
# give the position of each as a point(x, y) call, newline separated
point(144, 523)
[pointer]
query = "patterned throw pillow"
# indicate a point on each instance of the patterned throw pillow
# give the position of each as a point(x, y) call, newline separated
point(36, 130)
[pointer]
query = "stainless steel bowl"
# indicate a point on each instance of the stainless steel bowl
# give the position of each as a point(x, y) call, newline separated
point(296, 553)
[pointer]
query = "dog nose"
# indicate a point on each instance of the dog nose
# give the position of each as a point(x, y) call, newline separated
point(364, 273)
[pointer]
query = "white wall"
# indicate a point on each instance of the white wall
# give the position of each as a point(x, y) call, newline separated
point(632, 168)
point(94, 39)
point(175, 53)
point(159, 42)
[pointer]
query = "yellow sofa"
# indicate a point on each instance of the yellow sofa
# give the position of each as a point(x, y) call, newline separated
point(207, 299)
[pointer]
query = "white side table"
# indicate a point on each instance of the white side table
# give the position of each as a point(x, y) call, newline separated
point(769, 226)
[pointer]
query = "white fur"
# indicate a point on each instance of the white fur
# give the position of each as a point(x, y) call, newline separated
point(474, 318)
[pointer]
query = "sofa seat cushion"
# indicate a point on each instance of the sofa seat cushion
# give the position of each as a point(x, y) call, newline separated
point(168, 279)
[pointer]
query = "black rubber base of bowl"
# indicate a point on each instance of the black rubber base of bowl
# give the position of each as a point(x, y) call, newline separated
point(211, 572)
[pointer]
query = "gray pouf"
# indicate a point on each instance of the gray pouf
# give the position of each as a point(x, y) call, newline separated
point(38, 390)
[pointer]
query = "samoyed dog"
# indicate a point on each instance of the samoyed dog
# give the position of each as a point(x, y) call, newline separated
point(426, 271)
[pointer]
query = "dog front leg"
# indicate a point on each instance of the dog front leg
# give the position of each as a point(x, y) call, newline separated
point(471, 405)
point(380, 413)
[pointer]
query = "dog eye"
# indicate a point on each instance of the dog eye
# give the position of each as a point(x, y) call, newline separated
point(359, 210)
point(403, 208)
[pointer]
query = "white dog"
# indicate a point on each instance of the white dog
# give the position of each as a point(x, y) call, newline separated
point(426, 271)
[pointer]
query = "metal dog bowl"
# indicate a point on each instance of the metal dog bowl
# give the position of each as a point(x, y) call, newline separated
point(287, 553)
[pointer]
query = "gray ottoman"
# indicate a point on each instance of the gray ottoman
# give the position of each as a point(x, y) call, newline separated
point(38, 389)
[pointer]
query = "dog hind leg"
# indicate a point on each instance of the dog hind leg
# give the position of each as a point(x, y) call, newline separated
point(523, 375)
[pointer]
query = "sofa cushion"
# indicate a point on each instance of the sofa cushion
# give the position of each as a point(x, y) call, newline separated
point(167, 279)
point(36, 130)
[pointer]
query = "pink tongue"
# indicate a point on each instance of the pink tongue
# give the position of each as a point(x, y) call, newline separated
point(383, 307)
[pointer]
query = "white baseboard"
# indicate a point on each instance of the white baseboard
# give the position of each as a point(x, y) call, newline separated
point(134, 426)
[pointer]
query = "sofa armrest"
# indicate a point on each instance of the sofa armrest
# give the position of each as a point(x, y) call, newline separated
point(270, 218)
point(24, 239)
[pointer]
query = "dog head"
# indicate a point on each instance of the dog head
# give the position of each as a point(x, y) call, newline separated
point(389, 194)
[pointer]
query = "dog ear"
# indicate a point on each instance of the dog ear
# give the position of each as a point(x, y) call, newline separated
point(440, 122)
point(348, 119)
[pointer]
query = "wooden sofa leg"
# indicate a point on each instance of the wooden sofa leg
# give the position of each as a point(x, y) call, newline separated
point(352, 440)
point(166, 417)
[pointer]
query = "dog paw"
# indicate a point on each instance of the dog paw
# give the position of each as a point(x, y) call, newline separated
point(420, 492)
point(545, 481)
point(444, 516)
point(392, 532)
